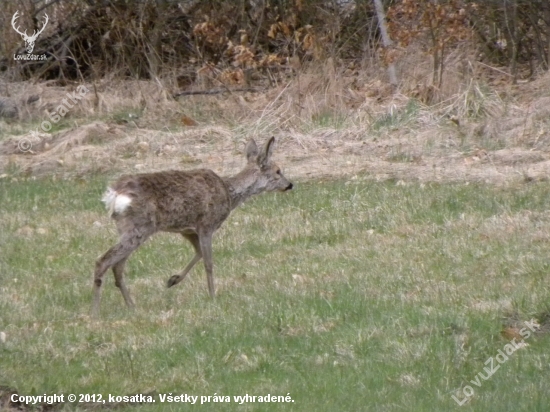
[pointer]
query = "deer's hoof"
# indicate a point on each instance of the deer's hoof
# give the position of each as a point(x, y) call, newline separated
point(172, 281)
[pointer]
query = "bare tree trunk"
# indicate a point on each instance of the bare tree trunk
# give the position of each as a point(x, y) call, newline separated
point(547, 23)
point(437, 76)
point(386, 40)
point(513, 35)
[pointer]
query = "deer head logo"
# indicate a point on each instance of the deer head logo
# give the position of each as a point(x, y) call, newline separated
point(29, 40)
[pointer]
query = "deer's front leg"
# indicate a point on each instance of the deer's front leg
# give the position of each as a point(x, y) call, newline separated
point(205, 240)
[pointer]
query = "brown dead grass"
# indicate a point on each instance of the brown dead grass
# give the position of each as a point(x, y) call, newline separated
point(324, 119)
point(324, 154)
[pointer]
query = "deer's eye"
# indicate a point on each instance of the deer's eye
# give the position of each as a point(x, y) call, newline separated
point(278, 171)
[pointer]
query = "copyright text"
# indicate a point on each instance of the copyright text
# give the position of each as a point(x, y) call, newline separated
point(141, 398)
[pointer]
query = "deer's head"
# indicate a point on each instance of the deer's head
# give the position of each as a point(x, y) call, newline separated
point(29, 40)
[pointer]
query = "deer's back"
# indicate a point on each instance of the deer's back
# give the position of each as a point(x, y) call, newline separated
point(175, 200)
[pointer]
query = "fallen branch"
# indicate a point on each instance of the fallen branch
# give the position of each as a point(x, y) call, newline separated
point(216, 91)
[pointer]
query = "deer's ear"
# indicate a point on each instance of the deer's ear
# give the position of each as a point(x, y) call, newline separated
point(264, 158)
point(251, 150)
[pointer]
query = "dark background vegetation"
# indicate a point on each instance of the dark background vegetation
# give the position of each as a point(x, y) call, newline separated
point(246, 41)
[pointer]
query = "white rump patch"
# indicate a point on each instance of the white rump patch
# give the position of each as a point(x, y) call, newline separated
point(109, 198)
point(114, 202)
point(121, 203)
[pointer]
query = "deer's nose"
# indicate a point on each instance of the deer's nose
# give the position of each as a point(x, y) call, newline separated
point(289, 187)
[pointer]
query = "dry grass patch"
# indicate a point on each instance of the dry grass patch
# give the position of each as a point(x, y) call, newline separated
point(328, 121)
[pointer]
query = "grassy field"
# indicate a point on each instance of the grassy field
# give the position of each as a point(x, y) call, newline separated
point(346, 295)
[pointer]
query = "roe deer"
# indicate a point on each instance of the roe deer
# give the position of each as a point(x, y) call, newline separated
point(193, 203)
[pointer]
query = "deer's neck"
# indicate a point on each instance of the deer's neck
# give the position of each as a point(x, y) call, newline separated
point(241, 187)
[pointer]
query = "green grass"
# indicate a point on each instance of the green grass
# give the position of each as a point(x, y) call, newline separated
point(346, 295)
point(397, 118)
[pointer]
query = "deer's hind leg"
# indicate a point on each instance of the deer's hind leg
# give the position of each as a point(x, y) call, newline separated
point(118, 271)
point(115, 258)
